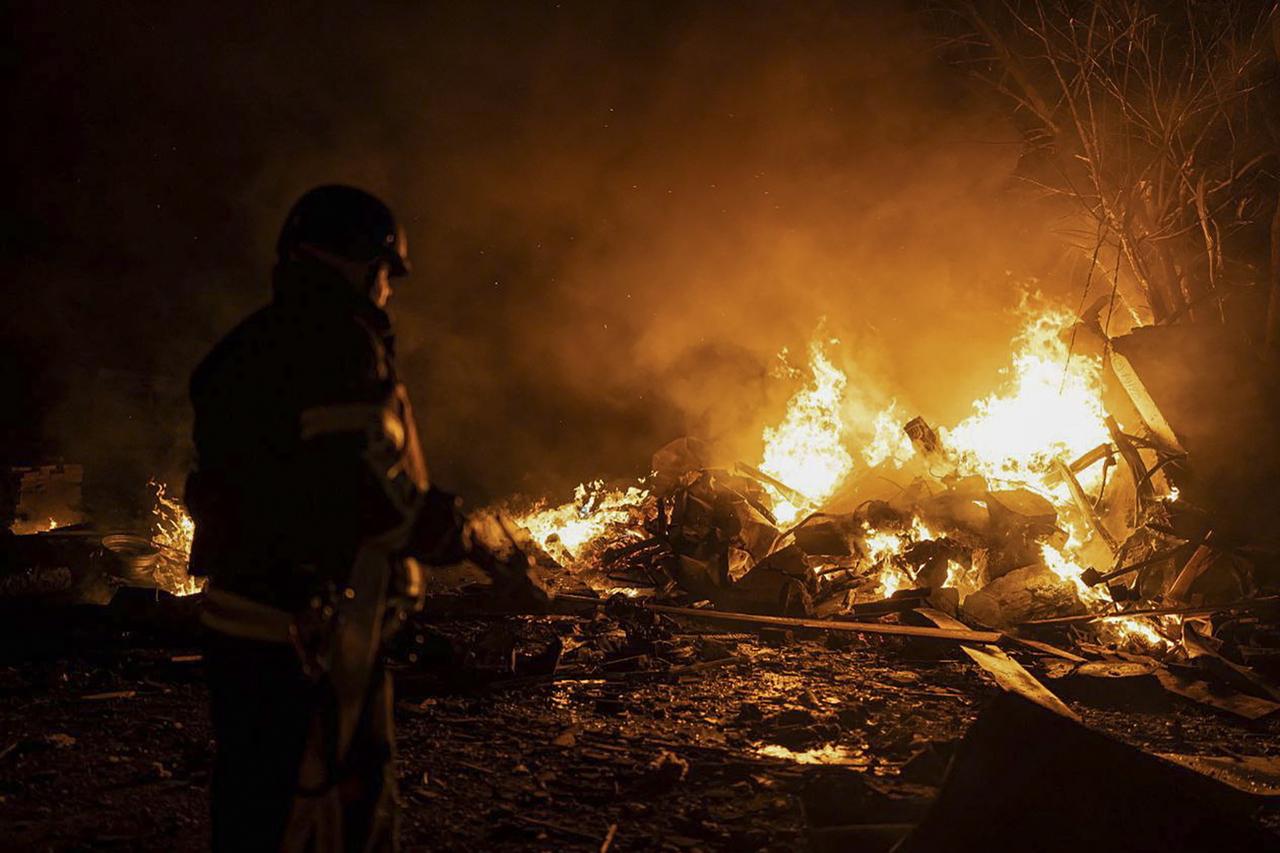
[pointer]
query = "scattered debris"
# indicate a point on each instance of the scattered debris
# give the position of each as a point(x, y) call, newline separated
point(1010, 675)
point(1256, 775)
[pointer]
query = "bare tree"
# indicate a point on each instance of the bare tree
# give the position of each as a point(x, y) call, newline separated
point(1148, 115)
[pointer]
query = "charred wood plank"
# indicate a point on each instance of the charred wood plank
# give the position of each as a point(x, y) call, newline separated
point(1013, 677)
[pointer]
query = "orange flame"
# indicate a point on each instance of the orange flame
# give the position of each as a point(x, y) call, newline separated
point(173, 531)
point(807, 450)
point(567, 531)
point(1051, 408)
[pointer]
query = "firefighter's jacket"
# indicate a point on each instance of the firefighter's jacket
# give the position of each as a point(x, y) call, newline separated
point(305, 447)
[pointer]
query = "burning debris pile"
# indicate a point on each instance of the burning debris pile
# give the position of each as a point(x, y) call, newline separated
point(1054, 508)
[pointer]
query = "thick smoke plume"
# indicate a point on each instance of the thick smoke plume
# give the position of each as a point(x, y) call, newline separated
point(618, 213)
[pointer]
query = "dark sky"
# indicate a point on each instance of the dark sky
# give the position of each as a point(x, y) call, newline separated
point(618, 212)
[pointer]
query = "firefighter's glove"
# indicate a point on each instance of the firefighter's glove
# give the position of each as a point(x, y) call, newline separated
point(490, 541)
point(437, 533)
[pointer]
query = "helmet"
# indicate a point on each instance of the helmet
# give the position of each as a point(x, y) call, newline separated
point(346, 222)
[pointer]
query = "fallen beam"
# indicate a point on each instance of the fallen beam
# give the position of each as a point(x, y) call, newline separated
point(965, 636)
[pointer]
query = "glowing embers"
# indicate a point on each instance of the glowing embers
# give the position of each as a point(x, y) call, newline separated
point(827, 753)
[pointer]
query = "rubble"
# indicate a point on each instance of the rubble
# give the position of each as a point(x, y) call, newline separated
point(1020, 596)
point(797, 746)
point(1013, 677)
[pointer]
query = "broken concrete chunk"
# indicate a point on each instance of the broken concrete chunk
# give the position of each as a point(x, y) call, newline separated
point(700, 577)
point(1032, 592)
point(739, 563)
point(1013, 509)
point(782, 583)
point(756, 533)
point(957, 512)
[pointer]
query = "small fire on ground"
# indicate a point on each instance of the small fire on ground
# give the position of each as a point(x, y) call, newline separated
point(172, 532)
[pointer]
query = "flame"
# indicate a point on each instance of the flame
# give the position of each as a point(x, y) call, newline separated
point(963, 580)
point(892, 579)
point(921, 533)
point(881, 547)
point(807, 450)
point(882, 544)
point(1051, 408)
point(566, 531)
point(173, 531)
point(1129, 630)
point(889, 443)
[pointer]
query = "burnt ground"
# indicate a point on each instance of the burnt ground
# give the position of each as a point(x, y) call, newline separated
point(700, 745)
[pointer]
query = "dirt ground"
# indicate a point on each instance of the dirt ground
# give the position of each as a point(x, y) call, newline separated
point(105, 741)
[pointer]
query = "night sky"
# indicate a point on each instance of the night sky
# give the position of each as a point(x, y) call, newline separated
point(618, 213)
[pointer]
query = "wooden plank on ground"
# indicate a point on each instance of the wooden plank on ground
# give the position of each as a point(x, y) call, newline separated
point(959, 636)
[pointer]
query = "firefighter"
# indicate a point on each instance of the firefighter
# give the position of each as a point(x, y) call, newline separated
point(313, 515)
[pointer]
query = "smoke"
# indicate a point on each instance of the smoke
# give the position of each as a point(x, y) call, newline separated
point(618, 213)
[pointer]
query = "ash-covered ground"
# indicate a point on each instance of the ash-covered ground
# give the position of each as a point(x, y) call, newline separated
point(670, 735)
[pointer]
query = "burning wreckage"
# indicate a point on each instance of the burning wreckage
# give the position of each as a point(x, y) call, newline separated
point(1099, 532)
point(1102, 506)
